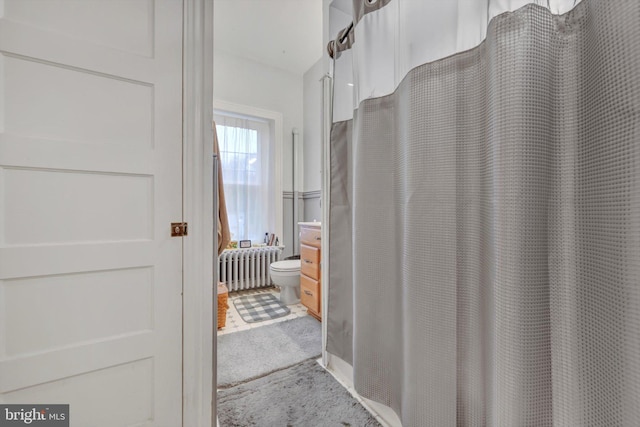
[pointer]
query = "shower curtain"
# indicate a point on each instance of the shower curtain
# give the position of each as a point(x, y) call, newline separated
point(484, 221)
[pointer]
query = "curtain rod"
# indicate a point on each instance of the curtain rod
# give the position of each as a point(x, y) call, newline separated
point(346, 33)
point(330, 47)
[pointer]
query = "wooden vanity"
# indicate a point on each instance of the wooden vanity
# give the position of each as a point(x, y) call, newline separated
point(310, 258)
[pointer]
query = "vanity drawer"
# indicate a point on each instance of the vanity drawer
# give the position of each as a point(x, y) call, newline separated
point(310, 236)
point(310, 261)
point(310, 294)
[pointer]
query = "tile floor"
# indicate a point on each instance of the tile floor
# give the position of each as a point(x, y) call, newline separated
point(235, 323)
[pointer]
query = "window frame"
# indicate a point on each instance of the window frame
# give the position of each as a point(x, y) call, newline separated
point(275, 120)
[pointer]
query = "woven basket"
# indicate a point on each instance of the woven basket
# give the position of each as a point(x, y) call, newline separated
point(223, 298)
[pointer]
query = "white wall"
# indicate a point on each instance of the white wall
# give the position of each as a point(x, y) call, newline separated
point(243, 81)
point(312, 135)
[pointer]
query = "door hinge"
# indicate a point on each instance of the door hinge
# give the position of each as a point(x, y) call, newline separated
point(178, 229)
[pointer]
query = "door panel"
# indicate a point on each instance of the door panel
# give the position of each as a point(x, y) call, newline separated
point(47, 100)
point(114, 207)
point(125, 397)
point(97, 301)
point(92, 21)
point(90, 179)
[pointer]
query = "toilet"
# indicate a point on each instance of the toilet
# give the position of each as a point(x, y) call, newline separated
point(286, 275)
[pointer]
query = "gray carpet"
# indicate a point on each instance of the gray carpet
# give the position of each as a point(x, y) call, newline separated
point(256, 352)
point(299, 396)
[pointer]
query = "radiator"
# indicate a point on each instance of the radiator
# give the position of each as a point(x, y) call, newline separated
point(247, 268)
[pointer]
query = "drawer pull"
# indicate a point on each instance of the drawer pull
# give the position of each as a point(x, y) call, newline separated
point(318, 237)
point(308, 262)
point(308, 293)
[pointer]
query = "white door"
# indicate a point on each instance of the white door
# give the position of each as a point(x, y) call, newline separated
point(90, 180)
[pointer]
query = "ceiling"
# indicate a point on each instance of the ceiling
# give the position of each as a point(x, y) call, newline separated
point(286, 34)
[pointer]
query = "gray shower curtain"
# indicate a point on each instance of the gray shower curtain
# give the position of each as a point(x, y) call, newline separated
point(491, 271)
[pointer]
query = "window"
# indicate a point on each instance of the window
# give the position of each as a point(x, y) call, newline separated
point(247, 158)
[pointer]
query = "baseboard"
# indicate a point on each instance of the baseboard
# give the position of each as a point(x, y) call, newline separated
point(343, 373)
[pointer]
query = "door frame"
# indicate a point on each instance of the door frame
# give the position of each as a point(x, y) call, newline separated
point(199, 294)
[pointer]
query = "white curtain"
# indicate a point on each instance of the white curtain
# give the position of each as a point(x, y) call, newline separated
point(403, 34)
point(246, 153)
point(485, 166)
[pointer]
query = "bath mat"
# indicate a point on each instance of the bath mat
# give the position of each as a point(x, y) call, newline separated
point(259, 307)
point(257, 352)
point(302, 395)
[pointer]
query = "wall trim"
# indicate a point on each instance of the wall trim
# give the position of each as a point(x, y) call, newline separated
point(303, 195)
point(198, 319)
point(312, 194)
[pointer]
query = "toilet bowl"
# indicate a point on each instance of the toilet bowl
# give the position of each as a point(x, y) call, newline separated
point(286, 275)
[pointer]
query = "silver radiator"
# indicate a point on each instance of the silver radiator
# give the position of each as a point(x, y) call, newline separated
point(247, 268)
